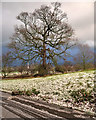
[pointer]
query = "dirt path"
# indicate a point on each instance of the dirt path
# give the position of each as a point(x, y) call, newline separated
point(26, 108)
point(4, 113)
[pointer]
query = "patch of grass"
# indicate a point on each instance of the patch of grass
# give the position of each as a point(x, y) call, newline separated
point(18, 92)
point(90, 113)
point(47, 93)
point(27, 92)
point(56, 93)
point(80, 83)
point(80, 77)
point(68, 83)
point(36, 92)
point(81, 95)
point(71, 86)
point(89, 85)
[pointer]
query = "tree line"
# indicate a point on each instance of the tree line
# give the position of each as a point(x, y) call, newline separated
point(83, 60)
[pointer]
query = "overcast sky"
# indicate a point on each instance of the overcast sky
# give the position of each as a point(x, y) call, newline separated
point(80, 16)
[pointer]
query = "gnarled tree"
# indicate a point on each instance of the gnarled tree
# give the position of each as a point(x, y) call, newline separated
point(43, 35)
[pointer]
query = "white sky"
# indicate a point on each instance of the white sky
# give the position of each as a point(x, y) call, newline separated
point(80, 16)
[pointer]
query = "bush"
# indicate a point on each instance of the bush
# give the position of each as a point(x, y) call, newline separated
point(60, 68)
point(6, 70)
point(42, 70)
point(77, 67)
point(33, 69)
point(21, 69)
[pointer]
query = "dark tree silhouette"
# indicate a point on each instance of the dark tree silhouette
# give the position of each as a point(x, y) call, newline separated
point(43, 35)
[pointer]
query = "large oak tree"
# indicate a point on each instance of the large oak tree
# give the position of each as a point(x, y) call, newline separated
point(43, 35)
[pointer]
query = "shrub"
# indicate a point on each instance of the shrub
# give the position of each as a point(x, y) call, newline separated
point(42, 70)
point(77, 67)
point(60, 68)
point(33, 69)
point(21, 69)
point(5, 71)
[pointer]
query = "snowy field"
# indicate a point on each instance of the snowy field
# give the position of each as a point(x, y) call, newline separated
point(57, 88)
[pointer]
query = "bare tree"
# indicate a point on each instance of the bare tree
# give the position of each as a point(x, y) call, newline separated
point(43, 35)
point(6, 63)
point(84, 56)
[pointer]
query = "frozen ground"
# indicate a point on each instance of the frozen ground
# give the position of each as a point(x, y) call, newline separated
point(55, 89)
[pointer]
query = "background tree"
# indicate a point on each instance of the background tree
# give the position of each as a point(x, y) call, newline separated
point(43, 35)
point(85, 56)
point(6, 64)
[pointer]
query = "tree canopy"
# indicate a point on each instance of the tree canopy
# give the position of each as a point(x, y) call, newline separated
point(43, 34)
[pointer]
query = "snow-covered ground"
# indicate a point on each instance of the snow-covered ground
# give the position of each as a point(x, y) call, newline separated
point(55, 89)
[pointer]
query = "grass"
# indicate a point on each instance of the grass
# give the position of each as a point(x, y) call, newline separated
point(55, 88)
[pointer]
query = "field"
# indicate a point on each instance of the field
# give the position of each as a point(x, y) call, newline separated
point(59, 89)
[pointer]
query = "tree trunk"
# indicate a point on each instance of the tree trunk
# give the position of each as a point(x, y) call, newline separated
point(28, 65)
point(84, 62)
point(84, 67)
point(44, 55)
